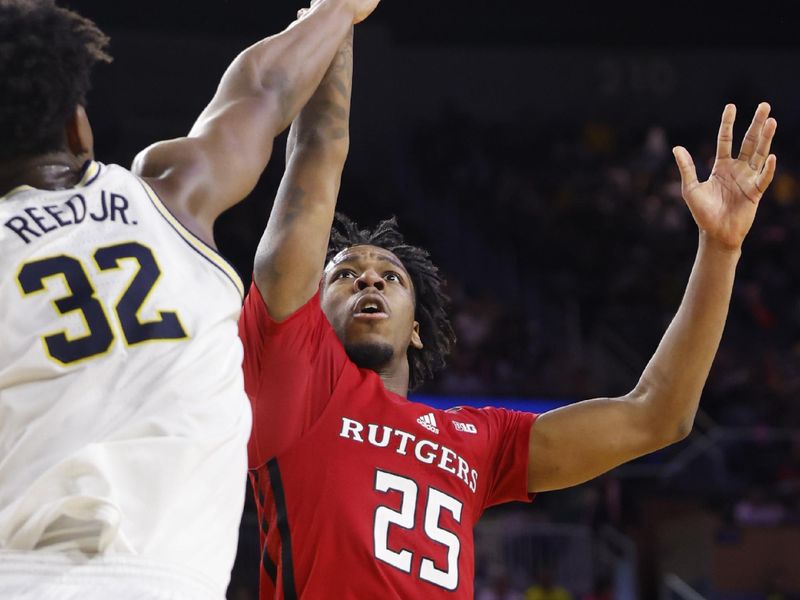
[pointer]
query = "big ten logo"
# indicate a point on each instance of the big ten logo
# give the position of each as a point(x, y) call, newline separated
point(465, 427)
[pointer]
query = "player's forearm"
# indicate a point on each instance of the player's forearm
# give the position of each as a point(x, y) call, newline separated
point(289, 260)
point(322, 127)
point(673, 381)
point(284, 69)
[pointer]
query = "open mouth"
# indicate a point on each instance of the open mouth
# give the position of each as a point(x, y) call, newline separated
point(370, 307)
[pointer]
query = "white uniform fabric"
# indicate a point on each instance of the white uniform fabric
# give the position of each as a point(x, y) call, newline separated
point(59, 577)
point(123, 418)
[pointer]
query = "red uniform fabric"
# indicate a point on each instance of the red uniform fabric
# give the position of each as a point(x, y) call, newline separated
point(363, 494)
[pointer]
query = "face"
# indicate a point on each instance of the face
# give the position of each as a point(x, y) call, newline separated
point(368, 297)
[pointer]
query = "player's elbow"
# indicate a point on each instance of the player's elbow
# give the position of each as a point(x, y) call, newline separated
point(660, 423)
point(683, 429)
point(678, 421)
point(665, 433)
point(675, 430)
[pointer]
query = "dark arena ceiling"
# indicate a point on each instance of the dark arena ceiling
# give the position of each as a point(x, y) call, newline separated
point(487, 22)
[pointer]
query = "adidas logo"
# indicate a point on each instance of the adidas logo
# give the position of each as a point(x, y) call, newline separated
point(428, 422)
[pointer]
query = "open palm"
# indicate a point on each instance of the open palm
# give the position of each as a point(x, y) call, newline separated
point(725, 205)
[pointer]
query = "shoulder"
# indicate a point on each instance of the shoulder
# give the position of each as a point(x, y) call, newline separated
point(177, 170)
point(160, 160)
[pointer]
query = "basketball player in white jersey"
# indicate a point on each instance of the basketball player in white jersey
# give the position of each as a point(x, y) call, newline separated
point(123, 420)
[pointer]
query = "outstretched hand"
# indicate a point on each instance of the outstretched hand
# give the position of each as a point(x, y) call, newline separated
point(725, 205)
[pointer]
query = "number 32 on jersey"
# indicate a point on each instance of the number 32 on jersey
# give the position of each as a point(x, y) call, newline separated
point(82, 300)
point(406, 518)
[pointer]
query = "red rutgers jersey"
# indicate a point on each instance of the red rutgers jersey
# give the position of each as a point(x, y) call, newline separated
point(363, 494)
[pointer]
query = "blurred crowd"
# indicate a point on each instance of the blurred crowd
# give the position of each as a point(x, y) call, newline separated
point(568, 252)
point(573, 248)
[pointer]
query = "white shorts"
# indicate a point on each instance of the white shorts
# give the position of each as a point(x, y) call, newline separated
point(42, 576)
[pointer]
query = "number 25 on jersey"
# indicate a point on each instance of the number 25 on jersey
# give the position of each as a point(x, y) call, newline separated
point(405, 518)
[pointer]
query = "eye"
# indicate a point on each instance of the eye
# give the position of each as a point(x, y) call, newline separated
point(392, 276)
point(343, 274)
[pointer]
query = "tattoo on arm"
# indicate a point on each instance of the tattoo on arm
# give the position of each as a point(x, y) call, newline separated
point(292, 207)
point(323, 122)
point(328, 111)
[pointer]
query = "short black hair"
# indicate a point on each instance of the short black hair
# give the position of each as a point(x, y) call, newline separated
point(431, 300)
point(46, 57)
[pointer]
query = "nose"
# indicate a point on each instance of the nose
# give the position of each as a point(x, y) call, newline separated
point(369, 278)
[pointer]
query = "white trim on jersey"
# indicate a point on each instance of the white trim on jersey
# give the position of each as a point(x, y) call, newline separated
point(199, 245)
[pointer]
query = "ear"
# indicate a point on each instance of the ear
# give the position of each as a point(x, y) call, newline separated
point(80, 139)
point(416, 340)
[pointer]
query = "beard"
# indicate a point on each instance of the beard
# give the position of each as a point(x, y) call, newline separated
point(369, 356)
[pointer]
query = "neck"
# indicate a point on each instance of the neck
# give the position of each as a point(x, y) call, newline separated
point(53, 171)
point(395, 377)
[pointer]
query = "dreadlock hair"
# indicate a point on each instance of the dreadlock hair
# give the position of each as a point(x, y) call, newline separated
point(46, 56)
point(431, 302)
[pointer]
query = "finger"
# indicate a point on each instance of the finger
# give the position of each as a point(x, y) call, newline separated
point(764, 142)
point(725, 137)
point(754, 131)
point(686, 167)
point(765, 177)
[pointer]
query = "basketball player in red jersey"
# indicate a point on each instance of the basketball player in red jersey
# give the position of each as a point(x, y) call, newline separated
point(364, 494)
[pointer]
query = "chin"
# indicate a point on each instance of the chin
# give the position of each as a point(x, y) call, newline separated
point(371, 356)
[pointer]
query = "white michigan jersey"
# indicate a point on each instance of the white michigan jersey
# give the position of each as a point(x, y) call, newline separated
point(123, 418)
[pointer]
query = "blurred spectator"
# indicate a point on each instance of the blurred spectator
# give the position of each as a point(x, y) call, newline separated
point(602, 590)
point(499, 587)
point(758, 509)
point(547, 589)
point(788, 471)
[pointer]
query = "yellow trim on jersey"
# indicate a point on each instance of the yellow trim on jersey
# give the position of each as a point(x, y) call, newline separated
point(20, 188)
point(91, 172)
point(196, 243)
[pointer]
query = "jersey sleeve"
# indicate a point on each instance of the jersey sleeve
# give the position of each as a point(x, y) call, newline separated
point(290, 371)
point(505, 455)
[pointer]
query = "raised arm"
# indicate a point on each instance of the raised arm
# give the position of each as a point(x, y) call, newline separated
point(291, 255)
point(222, 158)
point(576, 443)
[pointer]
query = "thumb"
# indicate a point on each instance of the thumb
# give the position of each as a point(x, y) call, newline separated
point(686, 167)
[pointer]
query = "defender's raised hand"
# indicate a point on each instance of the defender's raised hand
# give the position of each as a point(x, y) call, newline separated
point(725, 205)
